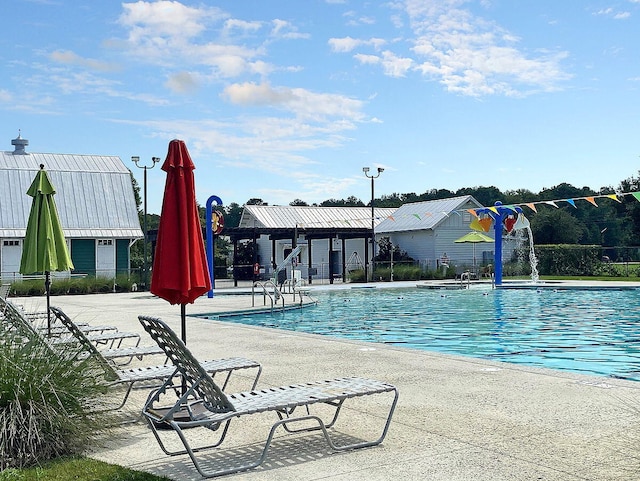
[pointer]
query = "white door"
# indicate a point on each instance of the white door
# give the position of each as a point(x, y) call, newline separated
point(10, 259)
point(106, 258)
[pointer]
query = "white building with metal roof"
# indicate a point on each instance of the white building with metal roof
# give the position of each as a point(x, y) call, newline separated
point(427, 231)
point(95, 201)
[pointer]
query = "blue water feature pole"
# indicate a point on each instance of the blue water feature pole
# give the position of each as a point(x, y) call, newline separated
point(209, 234)
point(499, 213)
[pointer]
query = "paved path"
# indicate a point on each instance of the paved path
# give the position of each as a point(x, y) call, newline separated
point(458, 419)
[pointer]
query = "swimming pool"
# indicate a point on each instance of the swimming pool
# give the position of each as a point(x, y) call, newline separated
point(585, 331)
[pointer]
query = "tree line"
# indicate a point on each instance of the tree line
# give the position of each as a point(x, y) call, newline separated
point(609, 224)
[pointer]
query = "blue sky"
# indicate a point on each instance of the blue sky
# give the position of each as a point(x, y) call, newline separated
point(290, 99)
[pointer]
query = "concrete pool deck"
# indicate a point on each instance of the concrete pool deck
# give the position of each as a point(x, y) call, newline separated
point(457, 418)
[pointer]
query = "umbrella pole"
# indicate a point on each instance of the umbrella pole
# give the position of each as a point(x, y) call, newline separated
point(183, 320)
point(474, 258)
point(47, 289)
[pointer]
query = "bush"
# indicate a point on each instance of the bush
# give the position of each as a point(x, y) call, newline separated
point(568, 260)
point(74, 285)
point(400, 273)
point(45, 401)
point(356, 275)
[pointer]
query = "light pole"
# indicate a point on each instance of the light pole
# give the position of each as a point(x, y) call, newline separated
point(373, 215)
point(136, 161)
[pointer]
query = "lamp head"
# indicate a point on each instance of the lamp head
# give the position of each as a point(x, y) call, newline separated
point(135, 159)
point(155, 159)
point(380, 170)
point(365, 169)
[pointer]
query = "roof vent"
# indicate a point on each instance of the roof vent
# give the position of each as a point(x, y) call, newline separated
point(20, 144)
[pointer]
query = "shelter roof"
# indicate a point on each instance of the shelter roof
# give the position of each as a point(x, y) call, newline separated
point(310, 218)
point(94, 194)
point(425, 215)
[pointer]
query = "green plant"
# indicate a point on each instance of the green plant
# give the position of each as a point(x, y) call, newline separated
point(47, 399)
point(77, 468)
point(570, 260)
point(356, 275)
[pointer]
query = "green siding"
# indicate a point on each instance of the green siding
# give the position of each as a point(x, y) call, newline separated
point(122, 256)
point(83, 255)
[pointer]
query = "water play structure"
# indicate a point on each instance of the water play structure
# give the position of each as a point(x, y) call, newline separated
point(503, 218)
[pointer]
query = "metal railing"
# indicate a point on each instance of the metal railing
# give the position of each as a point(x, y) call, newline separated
point(273, 298)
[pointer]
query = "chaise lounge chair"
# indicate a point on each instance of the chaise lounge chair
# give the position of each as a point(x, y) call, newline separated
point(203, 404)
point(133, 375)
point(4, 290)
point(107, 337)
point(88, 333)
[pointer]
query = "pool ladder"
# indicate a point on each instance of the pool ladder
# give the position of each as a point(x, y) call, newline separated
point(465, 275)
point(274, 295)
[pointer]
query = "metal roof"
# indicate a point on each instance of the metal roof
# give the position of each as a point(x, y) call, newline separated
point(425, 215)
point(305, 217)
point(94, 194)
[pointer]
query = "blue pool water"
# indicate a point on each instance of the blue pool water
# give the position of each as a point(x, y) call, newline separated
point(586, 331)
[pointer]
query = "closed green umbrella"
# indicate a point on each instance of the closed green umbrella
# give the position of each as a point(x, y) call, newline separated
point(44, 248)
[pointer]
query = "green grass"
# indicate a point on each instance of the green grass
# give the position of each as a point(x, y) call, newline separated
point(77, 468)
point(582, 278)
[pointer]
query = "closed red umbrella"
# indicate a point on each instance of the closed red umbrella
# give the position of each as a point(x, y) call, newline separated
point(180, 271)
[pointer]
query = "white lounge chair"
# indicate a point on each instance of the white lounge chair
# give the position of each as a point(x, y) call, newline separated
point(201, 403)
point(133, 375)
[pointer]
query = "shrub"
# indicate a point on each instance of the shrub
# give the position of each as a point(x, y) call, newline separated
point(568, 260)
point(400, 273)
point(74, 285)
point(356, 275)
point(46, 399)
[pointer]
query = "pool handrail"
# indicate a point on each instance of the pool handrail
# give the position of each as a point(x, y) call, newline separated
point(274, 298)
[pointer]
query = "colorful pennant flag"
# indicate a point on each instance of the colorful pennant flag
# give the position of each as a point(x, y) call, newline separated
point(485, 223)
point(475, 224)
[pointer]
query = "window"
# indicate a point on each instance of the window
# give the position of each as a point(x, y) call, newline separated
point(105, 242)
point(8, 243)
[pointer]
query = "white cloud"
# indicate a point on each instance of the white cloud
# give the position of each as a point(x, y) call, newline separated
point(471, 56)
point(168, 33)
point(392, 65)
point(302, 102)
point(183, 82)
point(284, 29)
point(85, 83)
point(266, 144)
point(5, 96)
point(611, 12)
point(70, 58)
point(166, 18)
point(242, 25)
point(348, 44)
